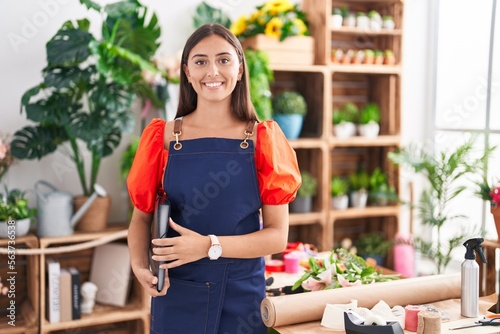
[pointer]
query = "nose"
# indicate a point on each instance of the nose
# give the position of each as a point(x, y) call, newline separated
point(213, 70)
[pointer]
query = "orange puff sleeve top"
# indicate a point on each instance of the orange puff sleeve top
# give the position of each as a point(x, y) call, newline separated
point(275, 161)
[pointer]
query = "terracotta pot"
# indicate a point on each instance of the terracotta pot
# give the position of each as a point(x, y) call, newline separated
point(495, 211)
point(96, 217)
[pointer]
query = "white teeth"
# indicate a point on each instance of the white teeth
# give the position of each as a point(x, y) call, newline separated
point(213, 84)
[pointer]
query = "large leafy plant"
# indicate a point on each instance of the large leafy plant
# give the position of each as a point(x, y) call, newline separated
point(89, 85)
point(445, 172)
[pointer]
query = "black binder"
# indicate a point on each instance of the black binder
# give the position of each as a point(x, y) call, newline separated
point(158, 231)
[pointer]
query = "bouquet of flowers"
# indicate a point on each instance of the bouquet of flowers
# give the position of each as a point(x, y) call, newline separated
point(6, 158)
point(489, 193)
point(495, 195)
point(340, 269)
point(276, 18)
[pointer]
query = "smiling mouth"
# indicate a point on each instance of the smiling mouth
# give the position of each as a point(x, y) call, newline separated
point(213, 84)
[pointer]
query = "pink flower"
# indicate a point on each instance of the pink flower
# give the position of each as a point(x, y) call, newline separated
point(495, 194)
point(345, 283)
point(324, 280)
point(3, 149)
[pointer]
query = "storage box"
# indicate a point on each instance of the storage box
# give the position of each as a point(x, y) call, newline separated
point(294, 50)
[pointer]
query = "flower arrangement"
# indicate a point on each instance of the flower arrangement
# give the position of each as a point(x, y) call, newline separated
point(495, 195)
point(340, 269)
point(275, 18)
point(6, 158)
point(489, 193)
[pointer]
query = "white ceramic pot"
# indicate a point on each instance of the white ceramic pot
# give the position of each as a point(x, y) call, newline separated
point(388, 24)
point(344, 130)
point(340, 202)
point(362, 22)
point(15, 228)
point(349, 21)
point(359, 199)
point(337, 21)
point(370, 130)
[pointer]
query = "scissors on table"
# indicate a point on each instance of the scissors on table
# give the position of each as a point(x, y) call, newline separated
point(481, 322)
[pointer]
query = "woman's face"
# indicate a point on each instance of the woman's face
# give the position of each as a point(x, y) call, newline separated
point(213, 69)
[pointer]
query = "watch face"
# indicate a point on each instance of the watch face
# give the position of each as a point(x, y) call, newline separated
point(215, 252)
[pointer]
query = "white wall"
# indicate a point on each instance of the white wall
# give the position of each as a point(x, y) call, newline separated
point(27, 25)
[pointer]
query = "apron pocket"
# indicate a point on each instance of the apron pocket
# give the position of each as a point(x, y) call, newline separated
point(184, 309)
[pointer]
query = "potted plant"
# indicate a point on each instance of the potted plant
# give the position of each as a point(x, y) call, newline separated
point(380, 193)
point(348, 18)
point(368, 121)
point(375, 20)
point(15, 214)
point(260, 75)
point(337, 18)
point(344, 120)
point(369, 57)
point(305, 194)
point(373, 245)
point(289, 109)
point(359, 183)
point(490, 192)
point(337, 55)
point(88, 88)
point(362, 21)
point(441, 170)
point(388, 22)
point(378, 57)
point(389, 58)
point(339, 187)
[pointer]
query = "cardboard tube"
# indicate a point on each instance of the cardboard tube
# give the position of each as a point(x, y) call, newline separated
point(309, 306)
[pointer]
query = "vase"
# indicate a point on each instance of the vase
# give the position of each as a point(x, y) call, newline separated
point(96, 217)
point(495, 211)
point(359, 199)
point(15, 228)
point(290, 124)
point(340, 202)
point(293, 50)
point(369, 130)
point(344, 130)
point(301, 205)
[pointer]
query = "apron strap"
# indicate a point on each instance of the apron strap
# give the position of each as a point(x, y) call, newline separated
point(177, 132)
point(248, 133)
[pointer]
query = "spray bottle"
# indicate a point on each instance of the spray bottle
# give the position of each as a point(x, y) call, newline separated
point(470, 278)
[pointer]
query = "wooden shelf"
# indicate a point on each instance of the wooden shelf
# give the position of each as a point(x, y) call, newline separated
point(368, 212)
point(307, 143)
point(365, 68)
point(358, 141)
point(366, 32)
point(306, 218)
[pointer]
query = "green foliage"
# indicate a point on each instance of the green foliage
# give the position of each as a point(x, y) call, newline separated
point(347, 113)
point(289, 102)
point(359, 180)
point(208, 14)
point(370, 113)
point(14, 205)
point(444, 173)
point(373, 244)
point(261, 76)
point(309, 185)
point(89, 86)
point(127, 158)
point(339, 186)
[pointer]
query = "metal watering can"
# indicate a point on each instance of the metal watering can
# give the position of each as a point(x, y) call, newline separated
point(55, 209)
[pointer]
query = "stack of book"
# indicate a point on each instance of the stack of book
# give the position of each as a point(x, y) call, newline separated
point(63, 292)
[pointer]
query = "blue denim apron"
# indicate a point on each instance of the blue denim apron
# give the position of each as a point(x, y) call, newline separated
point(213, 189)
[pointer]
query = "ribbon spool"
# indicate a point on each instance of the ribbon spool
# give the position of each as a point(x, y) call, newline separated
point(429, 323)
point(411, 316)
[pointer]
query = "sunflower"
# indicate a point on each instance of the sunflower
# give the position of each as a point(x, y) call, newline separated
point(240, 25)
point(276, 7)
point(273, 27)
point(301, 26)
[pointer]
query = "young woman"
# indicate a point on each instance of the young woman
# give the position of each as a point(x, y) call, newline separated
point(222, 170)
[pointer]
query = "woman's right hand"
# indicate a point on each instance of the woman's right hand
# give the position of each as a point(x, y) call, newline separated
point(149, 281)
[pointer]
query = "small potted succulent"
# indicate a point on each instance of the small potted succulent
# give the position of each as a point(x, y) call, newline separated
point(289, 109)
point(368, 121)
point(381, 193)
point(344, 120)
point(359, 183)
point(388, 22)
point(339, 188)
point(369, 57)
point(389, 58)
point(15, 214)
point(349, 19)
point(378, 57)
point(362, 21)
point(337, 55)
point(305, 194)
point(375, 20)
point(337, 18)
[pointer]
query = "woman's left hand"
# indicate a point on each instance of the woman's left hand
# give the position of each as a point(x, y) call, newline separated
point(189, 246)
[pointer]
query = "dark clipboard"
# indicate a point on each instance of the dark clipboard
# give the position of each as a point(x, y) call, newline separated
point(159, 230)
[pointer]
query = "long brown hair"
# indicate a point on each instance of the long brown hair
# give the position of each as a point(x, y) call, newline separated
point(241, 105)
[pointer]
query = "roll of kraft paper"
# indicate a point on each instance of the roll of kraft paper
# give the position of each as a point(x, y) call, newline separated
point(309, 306)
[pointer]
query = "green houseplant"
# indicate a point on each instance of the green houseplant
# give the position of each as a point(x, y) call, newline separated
point(339, 187)
point(344, 119)
point(368, 121)
point(359, 183)
point(88, 87)
point(208, 14)
point(373, 245)
point(305, 194)
point(15, 214)
point(260, 76)
point(444, 172)
point(289, 109)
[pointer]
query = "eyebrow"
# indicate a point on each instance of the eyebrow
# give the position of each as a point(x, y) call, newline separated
point(218, 54)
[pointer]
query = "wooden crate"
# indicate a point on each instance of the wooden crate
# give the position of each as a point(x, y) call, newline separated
point(294, 50)
point(25, 275)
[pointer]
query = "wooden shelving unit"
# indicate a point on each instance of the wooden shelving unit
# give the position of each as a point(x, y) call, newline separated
point(132, 318)
point(328, 85)
point(24, 272)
